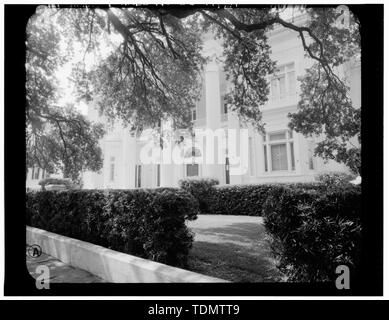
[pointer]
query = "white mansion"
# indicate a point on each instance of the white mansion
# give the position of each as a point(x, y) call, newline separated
point(279, 156)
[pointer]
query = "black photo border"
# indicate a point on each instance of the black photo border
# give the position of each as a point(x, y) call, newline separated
point(369, 282)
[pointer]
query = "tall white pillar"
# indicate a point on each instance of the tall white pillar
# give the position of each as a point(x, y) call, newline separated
point(213, 115)
point(167, 166)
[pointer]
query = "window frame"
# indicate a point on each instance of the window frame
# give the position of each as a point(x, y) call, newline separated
point(289, 93)
point(138, 176)
point(193, 114)
point(192, 164)
point(158, 177)
point(267, 151)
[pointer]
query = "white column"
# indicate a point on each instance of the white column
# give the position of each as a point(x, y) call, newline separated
point(212, 106)
point(167, 166)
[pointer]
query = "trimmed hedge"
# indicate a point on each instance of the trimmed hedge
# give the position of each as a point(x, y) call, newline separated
point(203, 190)
point(246, 200)
point(239, 200)
point(314, 229)
point(142, 222)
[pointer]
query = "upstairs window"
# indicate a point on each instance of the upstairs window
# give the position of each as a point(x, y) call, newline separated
point(283, 82)
point(193, 115)
point(225, 108)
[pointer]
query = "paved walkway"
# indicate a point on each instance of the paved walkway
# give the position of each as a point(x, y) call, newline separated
point(59, 271)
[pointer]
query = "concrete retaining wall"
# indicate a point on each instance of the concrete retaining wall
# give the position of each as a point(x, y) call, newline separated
point(109, 265)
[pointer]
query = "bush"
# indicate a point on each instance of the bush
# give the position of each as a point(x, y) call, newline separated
point(247, 200)
point(240, 199)
point(201, 189)
point(334, 179)
point(314, 229)
point(146, 223)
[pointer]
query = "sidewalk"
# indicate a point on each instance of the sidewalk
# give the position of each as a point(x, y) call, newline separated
point(59, 271)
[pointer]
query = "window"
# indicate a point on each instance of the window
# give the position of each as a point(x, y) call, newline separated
point(292, 155)
point(283, 82)
point(138, 175)
point(223, 105)
point(224, 112)
point(192, 170)
point(112, 170)
point(311, 166)
point(264, 152)
point(225, 108)
point(279, 160)
point(278, 150)
point(193, 115)
point(32, 173)
point(277, 136)
point(158, 175)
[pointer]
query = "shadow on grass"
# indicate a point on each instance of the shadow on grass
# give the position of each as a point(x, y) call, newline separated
point(236, 232)
point(238, 252)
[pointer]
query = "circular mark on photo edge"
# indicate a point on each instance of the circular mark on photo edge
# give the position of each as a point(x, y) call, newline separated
point(34, 251)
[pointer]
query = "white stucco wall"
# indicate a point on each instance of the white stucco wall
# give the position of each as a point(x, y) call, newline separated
point(286, 49)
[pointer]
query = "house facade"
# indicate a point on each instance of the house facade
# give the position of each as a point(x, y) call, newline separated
point(280, 155)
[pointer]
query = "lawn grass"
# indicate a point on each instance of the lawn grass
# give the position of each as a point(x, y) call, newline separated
point(233, 248)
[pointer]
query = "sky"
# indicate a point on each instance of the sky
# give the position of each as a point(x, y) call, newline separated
point(107, 43)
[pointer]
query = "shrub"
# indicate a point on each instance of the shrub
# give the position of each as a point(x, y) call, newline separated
point(146, 223)
point(239, 200)
point(332, 179)
point(245, 200)
point(314, 229)
point(201, 189)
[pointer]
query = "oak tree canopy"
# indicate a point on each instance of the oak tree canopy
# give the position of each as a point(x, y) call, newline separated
point(153, 71)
